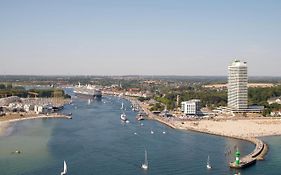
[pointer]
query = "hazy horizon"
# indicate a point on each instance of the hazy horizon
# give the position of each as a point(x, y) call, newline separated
point(130, 37)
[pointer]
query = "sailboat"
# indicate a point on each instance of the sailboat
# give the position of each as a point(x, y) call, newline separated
point(64, 169)
point(208, 163)
point(145, 164)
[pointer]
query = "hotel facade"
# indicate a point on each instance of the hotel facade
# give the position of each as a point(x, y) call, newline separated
point(238, 86)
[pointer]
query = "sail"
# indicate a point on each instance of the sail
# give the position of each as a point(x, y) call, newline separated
point(208, 163)
point(64, 167)
point(145, 158)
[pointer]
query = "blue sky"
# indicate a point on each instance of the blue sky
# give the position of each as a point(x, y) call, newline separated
point(144, 37)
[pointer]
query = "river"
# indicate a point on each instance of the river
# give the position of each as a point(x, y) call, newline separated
point(96, 142)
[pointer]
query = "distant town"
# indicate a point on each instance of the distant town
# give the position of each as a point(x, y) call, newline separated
point(235, 106)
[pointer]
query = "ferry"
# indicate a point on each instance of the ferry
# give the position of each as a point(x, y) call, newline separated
point(87, 91)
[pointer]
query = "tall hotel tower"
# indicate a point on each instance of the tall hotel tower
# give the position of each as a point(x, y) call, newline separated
point(237, 86)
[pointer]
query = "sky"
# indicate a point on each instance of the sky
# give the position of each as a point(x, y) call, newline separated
point(139, 37)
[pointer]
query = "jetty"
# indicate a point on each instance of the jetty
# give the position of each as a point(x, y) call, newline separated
point(250, 159)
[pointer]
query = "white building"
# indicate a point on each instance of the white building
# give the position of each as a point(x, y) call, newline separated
point(191, 107)
point(274, 100)
point(39, 109)
point(28, 107)
point(237, 86)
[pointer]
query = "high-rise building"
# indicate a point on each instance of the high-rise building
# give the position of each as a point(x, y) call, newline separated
point(237, 86)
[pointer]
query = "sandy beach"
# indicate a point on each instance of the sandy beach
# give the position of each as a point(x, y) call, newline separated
point(234, 128)
point(15, 117)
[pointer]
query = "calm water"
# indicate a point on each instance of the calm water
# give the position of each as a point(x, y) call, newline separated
point(96, 142)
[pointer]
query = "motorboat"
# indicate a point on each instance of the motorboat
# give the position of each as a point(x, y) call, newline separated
point(208, 163)
point(123, 117)
point(145, 164)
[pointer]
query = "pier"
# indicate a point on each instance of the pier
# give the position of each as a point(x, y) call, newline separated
point(250, 159)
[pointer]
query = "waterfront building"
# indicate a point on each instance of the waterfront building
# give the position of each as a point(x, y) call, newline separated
point(274, 100)
point(237, 96)
point(237, 86)
point(191, 107)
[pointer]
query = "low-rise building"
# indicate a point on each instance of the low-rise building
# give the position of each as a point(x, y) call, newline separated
point(191, 107)
point(39, 109)
point(274, 100)
point(28, 107)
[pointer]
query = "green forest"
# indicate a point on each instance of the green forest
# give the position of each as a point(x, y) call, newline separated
point(213, 98)
point(7, 90)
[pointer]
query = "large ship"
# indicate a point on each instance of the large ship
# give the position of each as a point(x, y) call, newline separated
point(88, 91)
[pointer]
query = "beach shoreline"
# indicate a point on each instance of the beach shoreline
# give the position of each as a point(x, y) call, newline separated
point(248, 129)
point(6, 120)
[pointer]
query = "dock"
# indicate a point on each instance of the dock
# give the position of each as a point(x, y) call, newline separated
point(250, 159)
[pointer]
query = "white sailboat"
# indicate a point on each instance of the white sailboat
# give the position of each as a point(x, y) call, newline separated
point(145, 164)
point(208, 163)
point(64, 169)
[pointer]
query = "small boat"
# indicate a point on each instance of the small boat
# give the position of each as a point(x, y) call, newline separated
point(64, 169)
point(123, 117)
point(122, 106)
point(145, 164)
point(164, 132)
point(208, 163)
point(139, 118)
point(89, 101)
point(151, 132)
